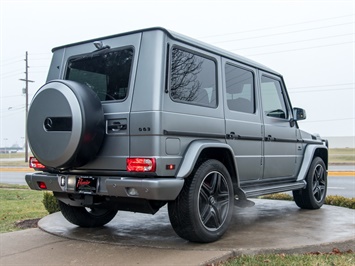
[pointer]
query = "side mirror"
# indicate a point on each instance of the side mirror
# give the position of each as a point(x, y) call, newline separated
point(299, 114)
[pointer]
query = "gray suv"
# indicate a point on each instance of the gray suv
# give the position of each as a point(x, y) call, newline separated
point(142, 119)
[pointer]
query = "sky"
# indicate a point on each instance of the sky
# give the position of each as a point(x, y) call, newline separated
point(311, 43)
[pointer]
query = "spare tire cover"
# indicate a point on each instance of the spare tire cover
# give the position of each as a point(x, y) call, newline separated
point(65, 124)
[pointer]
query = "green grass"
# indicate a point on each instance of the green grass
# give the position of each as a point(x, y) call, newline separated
point(332, 258)
point(14, 164)
point(12, 155)
point(339, 201)
point(346, 155)
point(19, 203)
point(17, 155)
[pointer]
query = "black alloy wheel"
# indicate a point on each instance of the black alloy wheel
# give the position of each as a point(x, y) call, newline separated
point(204, 207)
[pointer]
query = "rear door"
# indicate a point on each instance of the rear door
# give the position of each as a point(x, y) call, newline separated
point(110, 73)
point(192, 106)
point(243, 119)
point(279, 134)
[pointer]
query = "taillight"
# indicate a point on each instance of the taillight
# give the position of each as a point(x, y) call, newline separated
point(141, 164)
point(35, 164)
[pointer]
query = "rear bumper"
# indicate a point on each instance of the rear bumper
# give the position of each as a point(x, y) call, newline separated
point(145, 188)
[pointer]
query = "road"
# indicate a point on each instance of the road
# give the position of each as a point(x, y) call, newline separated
point(337, 185)
point(341, 186)
point(17, 178)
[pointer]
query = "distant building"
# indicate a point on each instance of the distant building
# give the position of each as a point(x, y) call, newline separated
point(12, 149)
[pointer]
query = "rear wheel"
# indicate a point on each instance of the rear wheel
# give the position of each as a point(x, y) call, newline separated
point(313, 196)
point(203, 209)
point(87, 217)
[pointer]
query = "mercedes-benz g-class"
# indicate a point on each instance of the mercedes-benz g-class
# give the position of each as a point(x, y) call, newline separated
point(146, 118)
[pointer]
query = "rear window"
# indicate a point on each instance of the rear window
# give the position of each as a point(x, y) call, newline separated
point(106, 73)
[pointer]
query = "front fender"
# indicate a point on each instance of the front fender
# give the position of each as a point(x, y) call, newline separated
point(310, 152)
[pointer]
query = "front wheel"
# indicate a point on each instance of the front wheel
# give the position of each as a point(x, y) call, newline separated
point(203, 209)
point(87, 217)
point(313, 196)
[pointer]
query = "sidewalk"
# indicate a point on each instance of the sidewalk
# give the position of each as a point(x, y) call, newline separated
point(35, 247)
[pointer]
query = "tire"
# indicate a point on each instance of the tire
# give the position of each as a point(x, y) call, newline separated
point(87, 217)
point(204, 207)
point(313, 196)
point(65, 124)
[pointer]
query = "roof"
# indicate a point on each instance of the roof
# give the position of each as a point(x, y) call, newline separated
point(185, 39)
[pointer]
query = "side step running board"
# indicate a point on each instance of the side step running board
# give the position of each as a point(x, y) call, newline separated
point(242, 194)
point(275, 188)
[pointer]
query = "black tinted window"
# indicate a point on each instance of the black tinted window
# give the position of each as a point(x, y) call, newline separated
point(107, 74)
point(193, 79)
point(240, 89)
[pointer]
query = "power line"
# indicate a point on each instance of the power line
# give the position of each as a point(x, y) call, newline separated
point(276, 27)
point(283, 33)
point(327, 120)
point(41, 59)
point(292, 42)
point(317, 86)
point(10, 72)
point(11, 63)
point(16, 111)
point(11, 75)
point(17, 58)
point(299, 49)
point(46, 53)
point(10, 96)
point(14, 108)
point(341, 89)
point(38, 66)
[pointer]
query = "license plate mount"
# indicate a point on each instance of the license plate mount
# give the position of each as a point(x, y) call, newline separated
point(86, 184)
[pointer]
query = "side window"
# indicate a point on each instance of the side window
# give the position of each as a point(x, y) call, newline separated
point(272, 98)
point(193, 79)
point(240, 89)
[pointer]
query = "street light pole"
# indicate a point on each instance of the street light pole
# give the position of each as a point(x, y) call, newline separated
point(26, 80)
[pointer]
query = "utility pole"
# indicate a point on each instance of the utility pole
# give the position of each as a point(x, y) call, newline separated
point(26, 80)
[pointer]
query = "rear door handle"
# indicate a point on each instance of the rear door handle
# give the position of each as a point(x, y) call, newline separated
point(115, 126)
